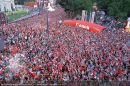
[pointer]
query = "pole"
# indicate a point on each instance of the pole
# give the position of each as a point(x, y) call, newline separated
point(47, 22)
point(86, 16)
point(90, 17)
point(47, 29)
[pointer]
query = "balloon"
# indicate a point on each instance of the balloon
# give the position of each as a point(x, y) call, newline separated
point(86, 25)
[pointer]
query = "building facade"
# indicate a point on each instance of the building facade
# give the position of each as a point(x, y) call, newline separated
point(7, 5)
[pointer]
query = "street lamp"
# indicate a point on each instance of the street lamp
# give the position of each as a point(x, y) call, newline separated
point(49, 8)
point(47, 27)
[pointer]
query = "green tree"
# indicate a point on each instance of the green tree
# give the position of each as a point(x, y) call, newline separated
point(21, 2)
point(76, 6)
point(116, 9)
point(120, 9)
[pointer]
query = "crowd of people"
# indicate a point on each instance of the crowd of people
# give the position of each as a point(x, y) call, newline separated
point(35, 52)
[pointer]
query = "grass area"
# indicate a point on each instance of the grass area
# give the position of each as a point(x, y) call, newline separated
point(12, 16)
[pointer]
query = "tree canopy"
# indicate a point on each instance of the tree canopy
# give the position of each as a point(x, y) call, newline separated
point(76, 5)
point(21, 2)
point(120, 9)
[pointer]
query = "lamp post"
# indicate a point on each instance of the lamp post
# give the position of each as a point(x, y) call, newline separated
point(47, 27)
point(49, 8)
